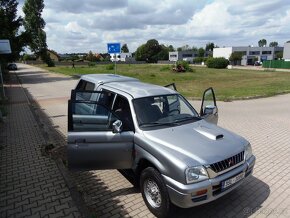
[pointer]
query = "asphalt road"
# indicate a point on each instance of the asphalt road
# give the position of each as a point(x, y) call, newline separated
point(264, 122)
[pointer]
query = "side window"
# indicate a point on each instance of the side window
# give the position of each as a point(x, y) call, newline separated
point(90, 116)
point(122, 111)
point(208, 101)
point(85, 86)
point(89, 86)
point(81, 85)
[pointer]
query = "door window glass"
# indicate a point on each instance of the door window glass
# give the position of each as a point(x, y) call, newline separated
point(85, 86)
point(208, 101)
point(90, 116)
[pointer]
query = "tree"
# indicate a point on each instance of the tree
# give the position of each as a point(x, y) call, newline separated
point(9, 28)
point(236, 57)
point(139, 54)
point(186, 48)
point(149, 51)
point(201, 52)
point(171, 48)
point(209, 46)
point(194, 49)
point(164, 53)
point(91, 57)
point(273, 44)
point(262, 42)
point(124, 49)
point(27, 57)
point(34, 26)
point(279, 55)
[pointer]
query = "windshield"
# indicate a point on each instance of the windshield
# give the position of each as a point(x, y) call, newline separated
point(163, 110)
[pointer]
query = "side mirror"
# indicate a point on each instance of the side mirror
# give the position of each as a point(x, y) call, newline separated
point(117, 126)
point(210, 109)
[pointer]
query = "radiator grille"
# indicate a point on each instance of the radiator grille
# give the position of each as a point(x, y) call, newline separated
point(227, 163)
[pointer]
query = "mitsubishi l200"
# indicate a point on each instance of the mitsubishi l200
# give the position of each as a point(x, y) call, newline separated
point(177, 156)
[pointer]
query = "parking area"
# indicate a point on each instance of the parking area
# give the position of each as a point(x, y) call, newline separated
point(264, 122)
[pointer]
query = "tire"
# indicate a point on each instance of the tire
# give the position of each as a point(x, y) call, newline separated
point(154, 192)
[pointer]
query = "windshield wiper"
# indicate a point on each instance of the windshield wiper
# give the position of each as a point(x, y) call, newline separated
point(159, 124)
point(186, 119)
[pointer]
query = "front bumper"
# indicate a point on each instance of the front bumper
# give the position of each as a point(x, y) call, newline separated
point(185, 196)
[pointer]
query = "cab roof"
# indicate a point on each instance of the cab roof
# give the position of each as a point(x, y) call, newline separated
point(129, 85)
point(106, 78)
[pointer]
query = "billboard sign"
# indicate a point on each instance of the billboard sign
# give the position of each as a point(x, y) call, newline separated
point(5, 46)
point(114, 48)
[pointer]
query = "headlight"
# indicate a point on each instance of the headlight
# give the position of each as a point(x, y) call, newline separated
point(248, 152)
point(195, 174)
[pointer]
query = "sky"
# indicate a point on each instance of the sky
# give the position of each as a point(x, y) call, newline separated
point(88, 25)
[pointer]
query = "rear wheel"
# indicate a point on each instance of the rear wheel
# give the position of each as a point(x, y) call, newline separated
point(154, 192)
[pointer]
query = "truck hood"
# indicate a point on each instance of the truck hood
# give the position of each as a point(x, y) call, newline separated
point(200, 142)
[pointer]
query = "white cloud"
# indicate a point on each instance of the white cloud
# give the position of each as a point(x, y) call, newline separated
point(80, 26)
point(74, 27)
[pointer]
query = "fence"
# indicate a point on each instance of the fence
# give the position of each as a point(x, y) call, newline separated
point(276, 64)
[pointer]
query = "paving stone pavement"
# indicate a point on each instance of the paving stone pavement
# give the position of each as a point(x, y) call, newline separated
point(31, 184)
point(264, 122)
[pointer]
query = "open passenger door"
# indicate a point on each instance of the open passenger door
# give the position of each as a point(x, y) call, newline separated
point(209, 110)
point(171, 86)
point(92, 143)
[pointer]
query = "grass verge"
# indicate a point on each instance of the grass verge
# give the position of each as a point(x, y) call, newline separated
point(228, 84)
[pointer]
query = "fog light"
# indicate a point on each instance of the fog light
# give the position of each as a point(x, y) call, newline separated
point(201, 192)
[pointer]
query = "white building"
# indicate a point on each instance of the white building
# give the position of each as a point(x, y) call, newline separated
point(286, 53)
point(250, 54)
point(124, 57)
point(185, 55)
point(182, 55)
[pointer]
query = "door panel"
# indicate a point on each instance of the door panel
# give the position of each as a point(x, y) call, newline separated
point(100, 150)
point(209, 110)
point(91, 142)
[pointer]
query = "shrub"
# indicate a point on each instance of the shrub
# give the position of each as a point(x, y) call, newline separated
point(198, 60)
point(110, 67)
point(182, 66)
point(218, 63)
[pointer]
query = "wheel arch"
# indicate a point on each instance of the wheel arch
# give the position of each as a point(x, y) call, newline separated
point(144, 159)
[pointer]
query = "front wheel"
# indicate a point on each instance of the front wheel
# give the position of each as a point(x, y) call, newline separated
point(154, 192)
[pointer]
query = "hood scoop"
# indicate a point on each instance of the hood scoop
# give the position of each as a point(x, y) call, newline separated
point(208, 132)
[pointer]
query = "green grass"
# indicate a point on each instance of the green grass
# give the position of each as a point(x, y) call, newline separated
point(228, 84)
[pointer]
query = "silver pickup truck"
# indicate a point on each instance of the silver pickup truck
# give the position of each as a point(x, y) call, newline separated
point(177, 156)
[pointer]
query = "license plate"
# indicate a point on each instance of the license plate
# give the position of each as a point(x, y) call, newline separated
point(232, 180)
